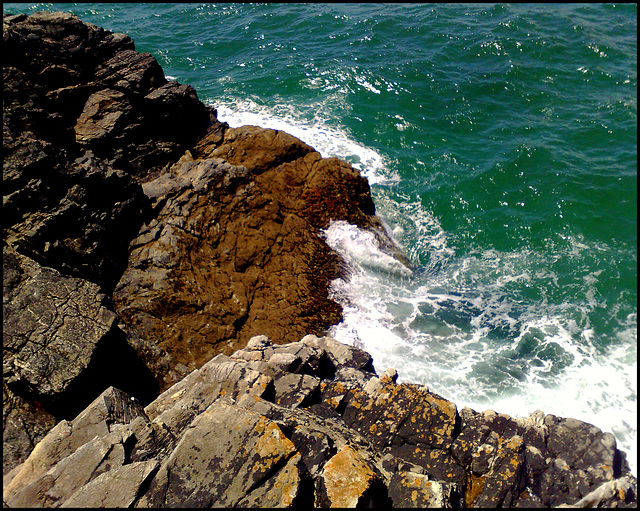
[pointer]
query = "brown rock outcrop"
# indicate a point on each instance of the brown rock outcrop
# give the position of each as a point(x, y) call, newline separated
point(233, 250)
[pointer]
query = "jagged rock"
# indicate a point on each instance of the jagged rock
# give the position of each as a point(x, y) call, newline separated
point(407, 489)
point(114, 489)
point(347, 480)
point(245, 449)
point(24, 424)
point(73, 453)
point(60, 339)
point(223, 436)
point(257, 148)
point(81, 106)
point(221, 261)
point(130, 70)
point(102, 112)
point(85, 117)
point(233, 250)
point(52, 325)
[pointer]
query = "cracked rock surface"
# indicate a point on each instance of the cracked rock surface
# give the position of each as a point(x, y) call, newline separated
point(278, 426)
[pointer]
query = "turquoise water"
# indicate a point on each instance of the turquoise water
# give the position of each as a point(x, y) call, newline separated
point(500, 143)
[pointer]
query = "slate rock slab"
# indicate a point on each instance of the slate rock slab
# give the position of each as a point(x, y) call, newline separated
point(253, 429)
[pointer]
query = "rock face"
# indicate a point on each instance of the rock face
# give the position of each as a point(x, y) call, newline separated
point(85, 117)
point(108, 167)
point(310, 424)
point(233, 249)
point(147, 250)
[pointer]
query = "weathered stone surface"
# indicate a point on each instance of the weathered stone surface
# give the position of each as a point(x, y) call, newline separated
point(73, 453)
point(407, 489)
point(347, 480)
point(85, 117)
point(52, 325)
point(60, 346)
point(117, 488)
point(130, 70)
point(258, 149)
point(225, 436)
point(80, 107)
point(230, 254)
point(24, 424)
point(102, 112)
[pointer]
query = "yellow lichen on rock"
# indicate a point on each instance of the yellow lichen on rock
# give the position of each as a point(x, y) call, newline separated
point(347, 476)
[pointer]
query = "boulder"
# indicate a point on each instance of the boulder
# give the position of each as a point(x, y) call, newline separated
point(233, 250)
point(52, 325)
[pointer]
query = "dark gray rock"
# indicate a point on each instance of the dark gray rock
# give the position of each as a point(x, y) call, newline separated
point(130, 70)
point(24, 424)
point(81, 127)
point(104, 112)
point(52, 325)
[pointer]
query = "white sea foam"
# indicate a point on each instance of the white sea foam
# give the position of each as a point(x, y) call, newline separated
point(439, 329)
point(311, 126)
point(438, 325)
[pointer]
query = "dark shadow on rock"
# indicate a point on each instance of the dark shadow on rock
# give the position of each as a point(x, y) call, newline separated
point(114, 363)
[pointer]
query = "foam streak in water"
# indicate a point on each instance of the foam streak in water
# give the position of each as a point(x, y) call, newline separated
point(316, 131)
point(463, 332)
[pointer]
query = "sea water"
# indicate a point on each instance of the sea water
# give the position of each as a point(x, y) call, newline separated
point(500, 145)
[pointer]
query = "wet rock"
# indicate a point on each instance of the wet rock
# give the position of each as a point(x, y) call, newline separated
point(259, 149)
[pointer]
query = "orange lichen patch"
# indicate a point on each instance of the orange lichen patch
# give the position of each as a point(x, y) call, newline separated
point(334, 401)
point(287, 482)
point(339, 387)
point(515, 443)
point(346, 477)
point(272, 445)
point(475, 486)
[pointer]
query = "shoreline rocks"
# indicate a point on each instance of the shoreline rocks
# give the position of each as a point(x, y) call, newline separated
point(160, 269)
point(310, 423)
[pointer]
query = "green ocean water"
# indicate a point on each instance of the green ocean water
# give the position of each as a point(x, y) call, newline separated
point(500, 144)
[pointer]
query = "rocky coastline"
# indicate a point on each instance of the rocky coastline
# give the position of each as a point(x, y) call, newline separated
point(165, 309)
